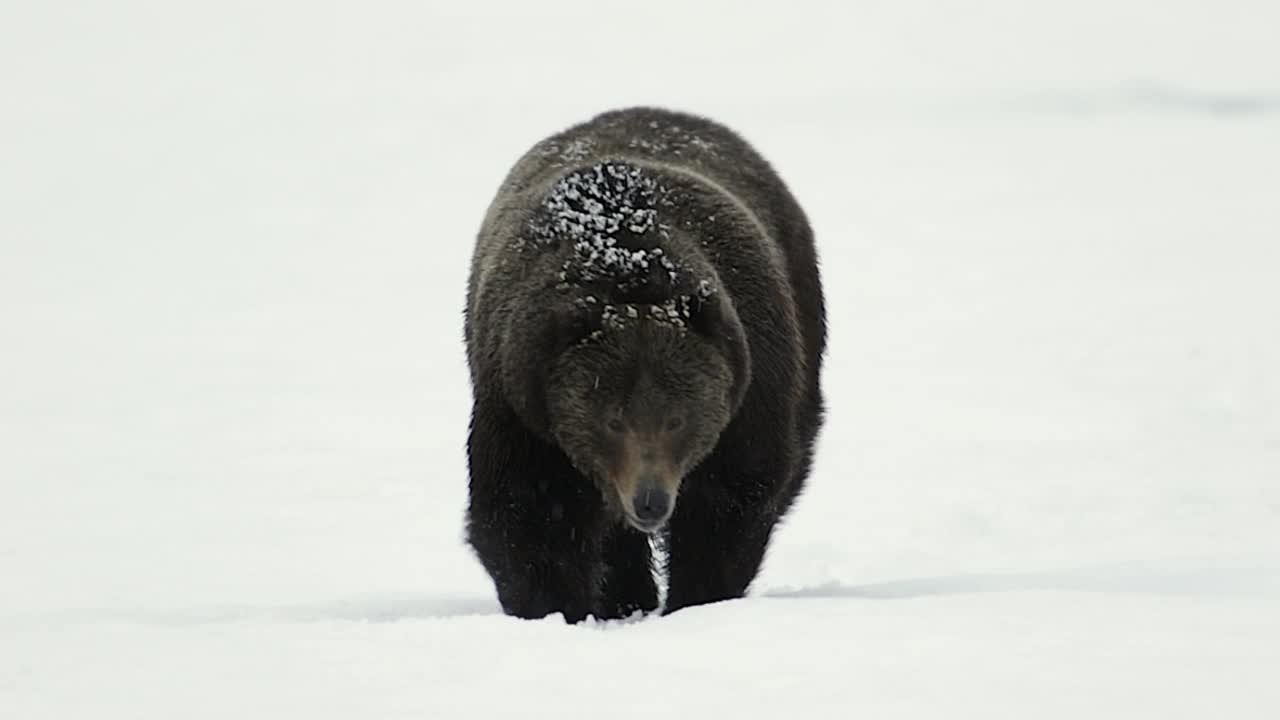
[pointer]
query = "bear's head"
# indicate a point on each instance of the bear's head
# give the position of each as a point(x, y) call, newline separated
point(640, 394)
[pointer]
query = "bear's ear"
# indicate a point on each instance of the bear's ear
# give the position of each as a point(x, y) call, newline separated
point(569, 325)
point(705, 312)
point(533, 340)
point(714, 317)
point(566, 326)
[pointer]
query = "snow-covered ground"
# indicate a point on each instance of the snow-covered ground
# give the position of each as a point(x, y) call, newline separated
point(233, 397)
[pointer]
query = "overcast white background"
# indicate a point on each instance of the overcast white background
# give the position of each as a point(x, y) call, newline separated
point(234, 240)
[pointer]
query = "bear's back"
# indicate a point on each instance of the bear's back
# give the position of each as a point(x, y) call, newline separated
point(678, 141)
point(688, 145)
point(696, 145)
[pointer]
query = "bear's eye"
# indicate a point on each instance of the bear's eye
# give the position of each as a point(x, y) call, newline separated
point(675, 423)
point(615, 425)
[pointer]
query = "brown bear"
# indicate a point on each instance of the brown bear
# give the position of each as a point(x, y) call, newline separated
point(645, 330)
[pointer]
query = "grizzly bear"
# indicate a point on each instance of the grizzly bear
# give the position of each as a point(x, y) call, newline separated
point(645, 329)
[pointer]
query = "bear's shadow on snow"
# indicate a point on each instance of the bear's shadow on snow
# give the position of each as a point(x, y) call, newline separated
point(364, 608)
point(1236, 575)
point(1223, 576)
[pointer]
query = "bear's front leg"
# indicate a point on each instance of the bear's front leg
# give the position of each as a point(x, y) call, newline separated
point(628, 579)
point(535, 523)
point(718, 536)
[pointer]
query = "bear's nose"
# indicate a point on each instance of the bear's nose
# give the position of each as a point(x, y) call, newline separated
point(651, 505)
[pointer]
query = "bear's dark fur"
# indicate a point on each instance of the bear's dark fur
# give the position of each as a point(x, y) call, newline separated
point(645, 330)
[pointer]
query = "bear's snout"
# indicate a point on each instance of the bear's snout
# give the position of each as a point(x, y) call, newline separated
point(650, 506)
point(646, 481)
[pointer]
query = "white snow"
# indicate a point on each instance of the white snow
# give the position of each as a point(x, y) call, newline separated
point(588, 208)
point(233, 397)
